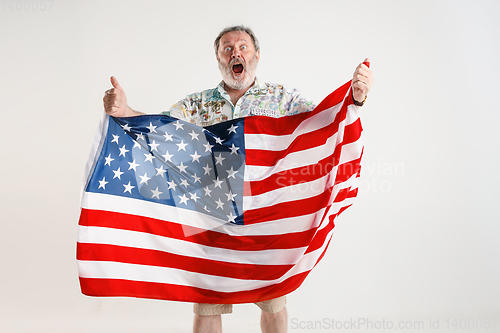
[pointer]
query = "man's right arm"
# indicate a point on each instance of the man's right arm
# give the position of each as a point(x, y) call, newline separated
point(115, 101)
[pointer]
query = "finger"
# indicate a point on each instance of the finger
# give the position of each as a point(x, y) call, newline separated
point(111, 109)
point(115, 83)
point(111, 97)
point(359, 82)
point(112, 91)
point(364, 75)
point(366, 62)
point(363, 86)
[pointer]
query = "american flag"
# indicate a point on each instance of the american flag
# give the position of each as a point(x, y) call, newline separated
point(237, 212)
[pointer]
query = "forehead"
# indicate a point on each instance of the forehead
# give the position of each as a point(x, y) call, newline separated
point(234, 37)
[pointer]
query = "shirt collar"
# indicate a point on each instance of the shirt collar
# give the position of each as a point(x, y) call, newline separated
point(257, 87)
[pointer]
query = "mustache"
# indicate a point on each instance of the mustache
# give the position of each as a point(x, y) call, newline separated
point(236, 61)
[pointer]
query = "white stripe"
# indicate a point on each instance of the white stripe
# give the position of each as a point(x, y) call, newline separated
point(286, 193)
point(189, 218)
point(144, 273)
point(142, 240)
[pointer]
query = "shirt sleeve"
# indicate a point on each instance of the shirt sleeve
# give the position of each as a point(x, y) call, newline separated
point(186, 109)
point(178, 110)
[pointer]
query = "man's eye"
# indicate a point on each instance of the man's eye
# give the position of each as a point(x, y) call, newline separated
point(227, 49)
point(243, 47)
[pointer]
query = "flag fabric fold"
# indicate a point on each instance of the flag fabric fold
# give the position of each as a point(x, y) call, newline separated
point(237, 212)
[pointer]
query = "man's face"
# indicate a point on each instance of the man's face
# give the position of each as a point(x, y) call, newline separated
point(237, 60)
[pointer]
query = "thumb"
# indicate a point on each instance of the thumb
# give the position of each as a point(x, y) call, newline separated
point(115, 83)
point(367, 62)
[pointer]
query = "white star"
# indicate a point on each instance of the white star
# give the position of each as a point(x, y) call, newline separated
point(167, 157)
point(194, 196)
point(102, 183)
point(156, 193)
point(234, 150)
point(207, 169)
point(127, 128)
point(123, 150)
point(152, 129)
point(231, 173)
point(118, 174)
point(137, 145)
point(160, 171)
point(182, 146)
point(108, 160)
point(218, 183)
point(207, 191)
point(184, 199)
point(231, 217)
point(149, 157)
point(220, 204)
point(178, 125)
point(128, 188)
point(133, 165)
point(230, 196)
point(232, 129)
point(194, 135)
point(153, 145)
point(140, 136)
point(184, 182)
point(219, 159)
point(196, 179)
point(115, 138)
point(195, 157)
point(208, 147)
point(168, 137)
point(218, 140)
point(144, 179)
point(182, 167)
point(171, 185)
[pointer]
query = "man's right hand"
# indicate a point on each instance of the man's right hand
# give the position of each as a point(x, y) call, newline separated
point(115, 101)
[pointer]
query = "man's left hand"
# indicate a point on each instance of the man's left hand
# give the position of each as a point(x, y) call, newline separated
point(362, 80)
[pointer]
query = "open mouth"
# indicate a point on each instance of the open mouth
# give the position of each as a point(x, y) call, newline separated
point(237, 68)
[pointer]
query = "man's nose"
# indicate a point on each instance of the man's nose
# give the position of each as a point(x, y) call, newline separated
point(236, 54)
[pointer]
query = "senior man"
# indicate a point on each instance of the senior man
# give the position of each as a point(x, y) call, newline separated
point(239, 94)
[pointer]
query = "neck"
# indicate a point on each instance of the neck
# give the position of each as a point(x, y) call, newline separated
point(236, 94)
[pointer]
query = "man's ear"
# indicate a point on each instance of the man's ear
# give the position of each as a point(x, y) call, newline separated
point(257, 54)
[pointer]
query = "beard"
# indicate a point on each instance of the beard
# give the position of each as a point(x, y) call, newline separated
point(243, 80)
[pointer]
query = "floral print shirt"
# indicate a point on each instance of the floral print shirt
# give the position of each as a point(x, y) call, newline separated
point(213, 106)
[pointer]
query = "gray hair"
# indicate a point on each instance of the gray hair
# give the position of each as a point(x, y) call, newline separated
point(241, 28)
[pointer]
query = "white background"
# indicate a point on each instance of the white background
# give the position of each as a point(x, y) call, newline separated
point(420, 244)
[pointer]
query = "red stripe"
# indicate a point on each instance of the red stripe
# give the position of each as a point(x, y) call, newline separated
point(286, 125)
point(347, 170)
point(288, 209)
point(104, 252)
point(294, 176)
point(320, 237)
point(309, 172)
point(99, 218)
point(302, 142)
point(352, 132)
point(304, 175)
point(127, 288)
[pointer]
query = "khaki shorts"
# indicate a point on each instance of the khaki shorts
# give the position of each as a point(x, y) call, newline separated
point(203, 309)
